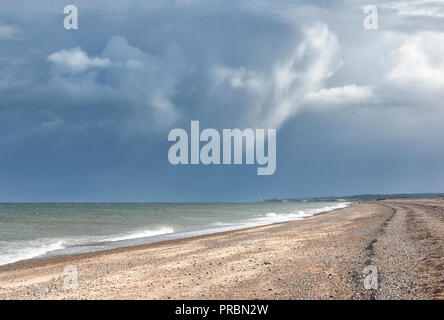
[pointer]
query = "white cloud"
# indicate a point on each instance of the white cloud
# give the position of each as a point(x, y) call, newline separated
point(76, 60)
point(129, 79)
point(237, 78)
point(10, 32)
point(296, 83)
point(419, 62)
point(428, 8)
point(49, 126)
point(410, 8)
point(340, 95)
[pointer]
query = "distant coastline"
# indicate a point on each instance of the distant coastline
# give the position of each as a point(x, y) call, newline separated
point(358, 197)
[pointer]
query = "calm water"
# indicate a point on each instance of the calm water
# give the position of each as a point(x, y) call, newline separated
point(29, 230)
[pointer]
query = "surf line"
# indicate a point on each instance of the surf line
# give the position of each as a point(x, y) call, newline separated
point(232, 139)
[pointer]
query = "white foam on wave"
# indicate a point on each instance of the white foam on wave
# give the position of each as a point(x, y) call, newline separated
point(11, 252)
point(221, 224)
point(273, 217)
point(141, 234)
point(24, 250)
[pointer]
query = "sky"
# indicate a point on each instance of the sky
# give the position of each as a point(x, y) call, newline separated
point(85, 114)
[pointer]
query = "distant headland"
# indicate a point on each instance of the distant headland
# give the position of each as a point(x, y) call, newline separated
point(358, 197)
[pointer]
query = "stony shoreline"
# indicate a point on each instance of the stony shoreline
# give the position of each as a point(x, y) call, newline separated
point(320, 257)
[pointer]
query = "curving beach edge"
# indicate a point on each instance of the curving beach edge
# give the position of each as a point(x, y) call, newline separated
point(319, 257)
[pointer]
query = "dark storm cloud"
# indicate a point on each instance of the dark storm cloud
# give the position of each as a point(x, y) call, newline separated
point(85, 113)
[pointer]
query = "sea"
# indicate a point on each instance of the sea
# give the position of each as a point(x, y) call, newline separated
point(35, 230)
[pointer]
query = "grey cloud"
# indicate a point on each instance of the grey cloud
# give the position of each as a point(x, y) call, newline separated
point(347, 101)
point(185, 71)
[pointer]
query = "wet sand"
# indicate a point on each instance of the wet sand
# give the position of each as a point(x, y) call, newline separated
point(320, 257)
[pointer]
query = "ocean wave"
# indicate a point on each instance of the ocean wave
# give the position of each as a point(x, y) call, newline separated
point(24, 250)
point(273, 217)
point(15, 251)
point(141, 234)
point(221, 224)
point(11, 252)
